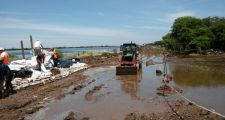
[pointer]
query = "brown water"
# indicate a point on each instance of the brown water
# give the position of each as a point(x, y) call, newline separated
point(119, 96)
point(203, 82)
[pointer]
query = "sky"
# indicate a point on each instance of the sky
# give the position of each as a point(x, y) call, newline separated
point(74, 23)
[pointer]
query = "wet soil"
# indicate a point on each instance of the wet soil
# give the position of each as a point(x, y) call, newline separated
point(89, 94)
point(183, 111)
point(33, 99)
point(55, 71)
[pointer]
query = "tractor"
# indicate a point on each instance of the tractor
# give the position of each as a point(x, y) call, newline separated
point(129, 60)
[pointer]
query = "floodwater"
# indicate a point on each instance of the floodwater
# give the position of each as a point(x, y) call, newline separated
point(119, 96)
point(202, 82)
point(28, 53)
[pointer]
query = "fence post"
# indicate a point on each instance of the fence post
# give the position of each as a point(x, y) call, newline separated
point(22, 49)
point(31, 45)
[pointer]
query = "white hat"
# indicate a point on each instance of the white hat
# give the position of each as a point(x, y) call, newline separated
point(1, 48)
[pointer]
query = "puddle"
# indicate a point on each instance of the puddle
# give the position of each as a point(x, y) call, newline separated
point(202, 82)
point(117, 96)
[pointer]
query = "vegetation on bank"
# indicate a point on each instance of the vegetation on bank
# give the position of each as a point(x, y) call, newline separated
point(13, 57)
point(80, 54)
point(195, 33)
point(47, 48)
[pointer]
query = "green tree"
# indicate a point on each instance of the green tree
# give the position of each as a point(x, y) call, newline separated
point(193, 33)
point(218, 29)
point(202, 42)
point(169, 42)
point(183, 30)
point(202, 38)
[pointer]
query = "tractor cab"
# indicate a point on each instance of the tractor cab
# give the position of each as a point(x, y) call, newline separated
point(129, 60)
point(129, 50)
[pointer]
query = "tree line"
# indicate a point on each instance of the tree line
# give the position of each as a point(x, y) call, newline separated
point(195, 33)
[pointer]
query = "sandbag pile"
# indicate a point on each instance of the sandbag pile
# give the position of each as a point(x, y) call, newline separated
point(36, 77)
point(45, 77)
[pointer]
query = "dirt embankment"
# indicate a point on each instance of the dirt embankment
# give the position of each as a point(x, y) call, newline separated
point(100, 60)
point(31, 99)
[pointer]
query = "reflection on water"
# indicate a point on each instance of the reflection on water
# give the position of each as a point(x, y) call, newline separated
point(119, 96)
point(202, 80)
point(130, 83)
point(196, 74)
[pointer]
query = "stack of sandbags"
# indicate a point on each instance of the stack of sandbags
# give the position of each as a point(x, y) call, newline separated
point(46, 75)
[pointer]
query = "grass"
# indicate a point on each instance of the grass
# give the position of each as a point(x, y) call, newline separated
point(81, 54)
point(13, 57)
point(157, 51)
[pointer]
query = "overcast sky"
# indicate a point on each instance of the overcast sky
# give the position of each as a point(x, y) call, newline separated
point(95, 22)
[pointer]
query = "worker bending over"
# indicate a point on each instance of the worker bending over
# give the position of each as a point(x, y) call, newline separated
point(40, 60)
point(38, 47)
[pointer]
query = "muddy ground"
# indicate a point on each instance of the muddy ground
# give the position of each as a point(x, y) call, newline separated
point(32, 98)
point(29, 100)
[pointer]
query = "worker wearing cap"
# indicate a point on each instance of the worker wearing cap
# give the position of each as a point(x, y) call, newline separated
point(37, 47)
point(4, 56)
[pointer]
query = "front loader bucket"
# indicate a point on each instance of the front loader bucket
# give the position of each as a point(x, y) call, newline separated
point(126, 70)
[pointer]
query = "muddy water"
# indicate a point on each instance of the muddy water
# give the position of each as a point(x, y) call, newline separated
point(202, 82)
point(202, 79)
point(118, 96)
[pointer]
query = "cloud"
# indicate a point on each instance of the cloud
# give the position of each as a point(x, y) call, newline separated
point(147, 27)
point(11, 13)
point(170, 17)
point(173, 16)
point(83, 32)
point(10, 23)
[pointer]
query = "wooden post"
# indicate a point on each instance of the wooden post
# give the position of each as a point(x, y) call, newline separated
point(31, 44)
point(22, 49)
point(78, 53)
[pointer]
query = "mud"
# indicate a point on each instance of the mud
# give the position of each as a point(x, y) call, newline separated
point(71, 116)
point(158, 72)
point(185, 112)
point(101, 60)
point(149, 62)
point(98, 94)
point(95, 89)
point(55, 71)
point(33, 98)
point(89, 95)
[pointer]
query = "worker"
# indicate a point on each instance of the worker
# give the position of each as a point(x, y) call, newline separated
point(55, 57)
point(1, 79)
point(4, 56)
point(40, 60)
point(37, 47)
point(6, 76)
